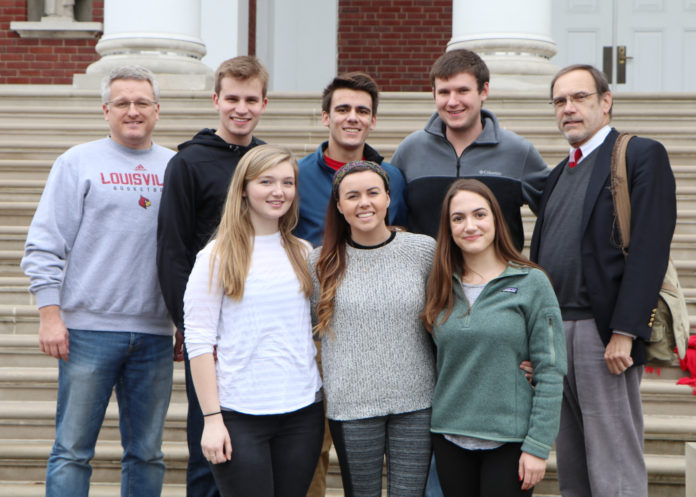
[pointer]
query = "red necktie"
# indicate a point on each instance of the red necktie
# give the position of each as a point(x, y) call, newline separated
point(576, 158)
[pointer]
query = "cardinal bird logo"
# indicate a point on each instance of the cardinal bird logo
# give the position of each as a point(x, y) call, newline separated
point(144, 202)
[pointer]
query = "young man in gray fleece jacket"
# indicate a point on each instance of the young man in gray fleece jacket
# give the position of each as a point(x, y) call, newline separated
point(463, 140)
point(90, 256)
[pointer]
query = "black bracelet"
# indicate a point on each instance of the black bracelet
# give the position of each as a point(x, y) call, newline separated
point(212, 414)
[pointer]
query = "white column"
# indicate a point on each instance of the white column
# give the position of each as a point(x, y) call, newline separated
point(690, 455)
point(297, 41)
point(224, 30)
point(513, 37)
point(162, 35)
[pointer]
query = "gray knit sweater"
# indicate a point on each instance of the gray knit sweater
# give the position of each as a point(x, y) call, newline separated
point(379, 358)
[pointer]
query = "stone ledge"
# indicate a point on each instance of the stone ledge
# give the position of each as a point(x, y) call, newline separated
point(57, 28)
point(38, 489)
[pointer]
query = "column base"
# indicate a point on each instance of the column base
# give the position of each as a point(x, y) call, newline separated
point(177, 62)
point(515, 63)
point(191, 82)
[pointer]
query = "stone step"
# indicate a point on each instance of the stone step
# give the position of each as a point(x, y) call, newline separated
point(661, 395)
point(17, 213)
point(298, 128)
point(24, 383)
point(15, 295)
point(666, 434)
point(38, 489)
point(19, 319)
point(665, 397)
point(23, 319)
point(666, 473)
point(35, 420)
point(16, 191)
point(13, 237)
point(28, 168)
point(666, 476)
point(553, 150)
point(43, 101)
point(26, 460)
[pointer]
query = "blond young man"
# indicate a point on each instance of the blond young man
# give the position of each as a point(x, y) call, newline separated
point(195, 188)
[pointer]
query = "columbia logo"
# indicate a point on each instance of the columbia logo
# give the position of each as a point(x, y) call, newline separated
point(510, 289)
point(140, 167)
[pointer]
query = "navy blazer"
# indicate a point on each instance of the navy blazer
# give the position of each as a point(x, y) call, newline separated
point(623, 290)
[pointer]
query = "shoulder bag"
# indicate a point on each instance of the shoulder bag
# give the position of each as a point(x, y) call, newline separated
point(670, 318)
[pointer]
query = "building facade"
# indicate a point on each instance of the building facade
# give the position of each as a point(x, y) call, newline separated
point(644, 45)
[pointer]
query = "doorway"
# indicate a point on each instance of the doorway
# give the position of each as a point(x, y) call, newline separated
point(650, 42)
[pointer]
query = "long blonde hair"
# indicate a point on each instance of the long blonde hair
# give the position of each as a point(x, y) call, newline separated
point(234, 240)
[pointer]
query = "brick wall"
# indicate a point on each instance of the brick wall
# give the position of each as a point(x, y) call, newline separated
point(395, 41)
point(41, 61)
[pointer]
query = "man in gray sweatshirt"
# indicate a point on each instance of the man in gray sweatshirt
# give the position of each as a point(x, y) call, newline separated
point(90, 257)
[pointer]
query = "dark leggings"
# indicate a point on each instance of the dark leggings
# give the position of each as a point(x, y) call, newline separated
point(478, 473)
point(361, 445)
point(272, 455)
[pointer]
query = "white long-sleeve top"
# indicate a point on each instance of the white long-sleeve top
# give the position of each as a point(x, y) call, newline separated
point(266, 358)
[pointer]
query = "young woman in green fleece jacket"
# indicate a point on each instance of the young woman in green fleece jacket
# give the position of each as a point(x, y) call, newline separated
point(488, 308)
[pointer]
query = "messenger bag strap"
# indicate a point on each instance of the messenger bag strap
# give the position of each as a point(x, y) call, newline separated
point(619, 189)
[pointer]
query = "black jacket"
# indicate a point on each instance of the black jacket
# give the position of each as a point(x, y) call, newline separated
point(623, 290)
point(195, 188)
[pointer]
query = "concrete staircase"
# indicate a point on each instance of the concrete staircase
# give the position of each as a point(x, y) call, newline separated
point(38, 123)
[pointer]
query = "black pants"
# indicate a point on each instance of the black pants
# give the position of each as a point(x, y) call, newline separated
point(272, 455)
point(478, 473)
point(199, 479)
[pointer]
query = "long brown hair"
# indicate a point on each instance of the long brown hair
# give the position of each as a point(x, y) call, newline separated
point(449, 259)
point(234, 240)
point(331, 265)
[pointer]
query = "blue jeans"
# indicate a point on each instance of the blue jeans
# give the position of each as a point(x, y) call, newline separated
point(140, 366)
point(432, 488)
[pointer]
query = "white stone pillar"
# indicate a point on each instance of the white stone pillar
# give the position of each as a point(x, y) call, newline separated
point(690, 455)
point(513, 37)
point(297, 41)
point(224, 30)
point(162, 35)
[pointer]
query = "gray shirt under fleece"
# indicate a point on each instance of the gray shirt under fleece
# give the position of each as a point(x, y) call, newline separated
point(560, 253)
point(91, 245)
point(379, 358)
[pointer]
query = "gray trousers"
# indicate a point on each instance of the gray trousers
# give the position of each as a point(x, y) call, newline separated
point(600, 442)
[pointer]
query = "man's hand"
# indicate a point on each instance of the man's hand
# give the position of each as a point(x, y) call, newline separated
point(178, 346)
point(618, 353)
point(53, 335)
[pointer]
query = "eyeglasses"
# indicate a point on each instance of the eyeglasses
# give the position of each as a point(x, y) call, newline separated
point(575, 98)
point(140, 104)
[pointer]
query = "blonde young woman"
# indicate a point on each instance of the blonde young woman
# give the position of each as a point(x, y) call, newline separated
point(377, 358)
point(488, 308)
point(247, 298)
